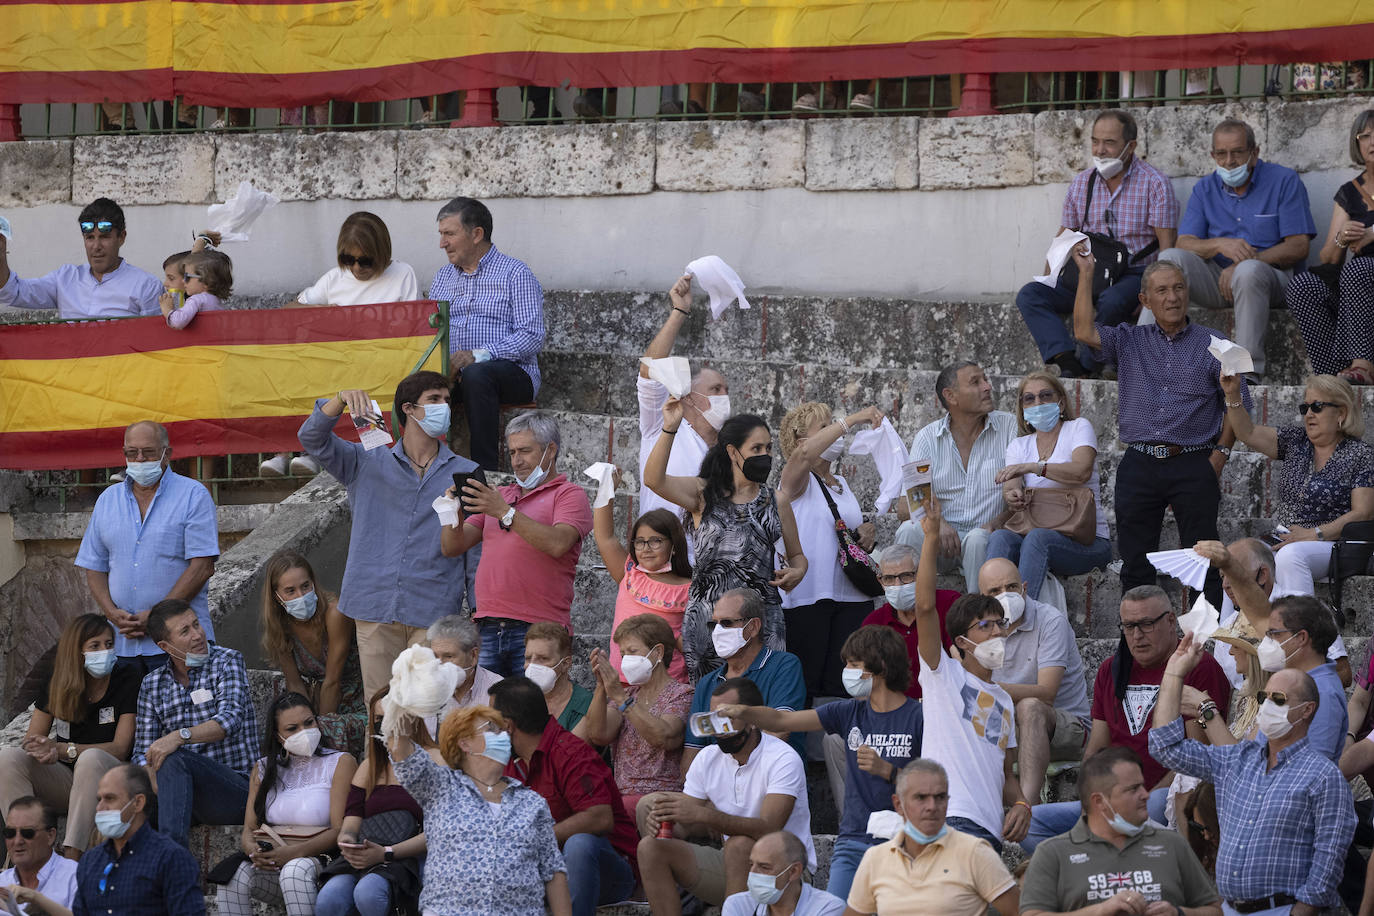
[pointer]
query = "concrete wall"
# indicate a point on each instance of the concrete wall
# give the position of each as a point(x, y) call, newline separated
point(901, 207)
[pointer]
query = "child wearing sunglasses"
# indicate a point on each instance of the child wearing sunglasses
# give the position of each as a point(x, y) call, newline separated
point(209, 280)
point(174, 271)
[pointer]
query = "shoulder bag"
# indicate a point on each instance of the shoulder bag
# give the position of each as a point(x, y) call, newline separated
point(857, 565)
point(1111, 254)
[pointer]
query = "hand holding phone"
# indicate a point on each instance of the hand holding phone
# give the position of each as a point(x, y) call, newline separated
point(460, 480)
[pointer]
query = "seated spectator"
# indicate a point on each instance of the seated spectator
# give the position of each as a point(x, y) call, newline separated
point(897, 575)
point(1327, 479)
point(473, 813)
point(195, 726)
point(1360, 711)
point(296, 784)
point(970, 719)
point(740, 789)
point(825, 607)
point(310, 641)
point(881, 729)
point(1124, 693)
point(1301, 630)
point(644, 724)
point(174, 270)
point(780, 857)
point(1333, 303)
point(931, 866)
point(1054, 450)
point(1133, 204)
point(595, 832)
point(455, 640)
point(1244, 229)
point(1042, 672)
point(1154, 867)
point(93, 703)
point(737, 628)
point(1242, 651)
point(965, 449)
point(652, 577)
point(136, 871)
point(531, 534)
point(208, 278)
point(548, 662)
point(37, 876)
point(106, 286)
point(735, 522)
point(382, 843)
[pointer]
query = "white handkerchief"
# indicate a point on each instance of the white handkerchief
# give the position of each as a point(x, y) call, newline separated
point(233, 218)
point(885, 824)
point(1058, 255)
point(889, 454)
point(603, 472)
point(720, 281)
point(446, 507)
point(1202, 621)
point(1234, 358)
point(673, 373)
point(1186, 565)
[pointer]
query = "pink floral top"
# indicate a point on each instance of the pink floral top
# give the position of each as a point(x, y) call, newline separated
point(641, 768)
point(640, 594)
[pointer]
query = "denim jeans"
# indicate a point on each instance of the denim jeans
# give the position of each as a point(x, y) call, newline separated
point(503, 645)
point(190, 784)
point(844, 862)
point(354, 895)
point(1041, 307)
point(1046, 550)
point(597, 874)
point(964, 825)
point(1059, 817)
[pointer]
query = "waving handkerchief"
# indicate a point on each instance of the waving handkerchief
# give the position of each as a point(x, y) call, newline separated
point(603, 472)
point(420, 686)
point(1234, 358)
point(885, 824)
point(1202, 621)
point(446, 507)
point(233, 218)
point(889, 454)
point(720, 281)
point(1186, 565)
point(673, 373)
point(1058, 255)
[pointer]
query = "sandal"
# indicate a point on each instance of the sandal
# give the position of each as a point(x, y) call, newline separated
point(1356, 375)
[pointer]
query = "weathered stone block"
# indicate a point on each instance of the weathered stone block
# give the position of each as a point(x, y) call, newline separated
point(584, 160)
point(35, 172)
point(298, 166)
point(731, 155)
point(1180, 136)
point(862, 154)
point(1062, 144)
point(147, 169)
point(1312, 135)
point(977, 152)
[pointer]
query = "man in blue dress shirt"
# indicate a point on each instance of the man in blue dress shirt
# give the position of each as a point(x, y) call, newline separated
point(106, 286)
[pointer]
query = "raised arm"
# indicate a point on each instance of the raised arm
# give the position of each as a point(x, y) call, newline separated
point(613, 553)
point(1084, 312)
point(1263, 439)
point(662, 345)
point(927, 618)
point(683, 491)
point(796, 473)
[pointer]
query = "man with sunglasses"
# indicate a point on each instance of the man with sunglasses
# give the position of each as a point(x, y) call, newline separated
point(1287, 815)
point(106, 286)
point(44, 881)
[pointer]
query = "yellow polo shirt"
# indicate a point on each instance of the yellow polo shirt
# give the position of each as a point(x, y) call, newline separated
point(957, 875)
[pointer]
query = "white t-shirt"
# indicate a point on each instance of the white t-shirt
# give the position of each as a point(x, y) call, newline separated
point(820, 543)
point(688, 448)
point(969, 725)
point(1072, 434)
point(340, 287)
point(773, 769)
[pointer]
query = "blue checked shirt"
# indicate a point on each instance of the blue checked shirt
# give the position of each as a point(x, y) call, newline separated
point(74, 291)
point(217, 690)
point(1283, 831)
point(152, 876)
point(498, 308)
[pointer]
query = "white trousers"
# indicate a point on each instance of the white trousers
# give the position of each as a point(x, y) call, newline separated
point(1298, 567)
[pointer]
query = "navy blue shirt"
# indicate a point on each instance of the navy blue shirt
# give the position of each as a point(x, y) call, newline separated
point(1273, 207)
point(778, 676)
point(153, 876)
point(895, 735)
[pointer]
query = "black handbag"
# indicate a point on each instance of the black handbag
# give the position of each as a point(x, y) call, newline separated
point(1351, 555)
point(1113, 258)
point(857, 565)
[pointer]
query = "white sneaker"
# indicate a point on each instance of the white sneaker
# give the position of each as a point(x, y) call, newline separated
point(117, 477)
point(862, 101)
point(273, 467)
point(806, 102)
point(304, 466)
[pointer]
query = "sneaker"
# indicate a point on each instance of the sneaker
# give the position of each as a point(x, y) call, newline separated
point(862, 101)
point(273, 467)
point(751, 101)
point(587, 105)
point(304, 466)
point(1069, 366)
point(805, 102)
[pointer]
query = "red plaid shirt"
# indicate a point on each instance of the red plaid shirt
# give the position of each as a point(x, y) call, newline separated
point(1142, 202)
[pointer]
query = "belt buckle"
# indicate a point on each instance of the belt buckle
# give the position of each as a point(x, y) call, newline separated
point(1157, 451)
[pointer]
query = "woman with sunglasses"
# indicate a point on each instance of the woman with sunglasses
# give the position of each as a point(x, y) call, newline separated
point(1327, 478)
point(1055, 449)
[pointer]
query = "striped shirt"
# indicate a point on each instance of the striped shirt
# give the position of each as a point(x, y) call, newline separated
point(1143, 202)
point(498, 308)
point(969, 497)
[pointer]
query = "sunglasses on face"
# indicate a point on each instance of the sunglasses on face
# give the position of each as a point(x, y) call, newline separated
point(27, 833)
point(1277, 697)
point(103, 225)
point(190, 276)
point(347, 260)
point(730, 624)
point(1316, 406)
point(1030, 398)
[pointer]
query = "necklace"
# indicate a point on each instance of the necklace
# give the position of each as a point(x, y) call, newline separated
point(423, 467)
point(485, 786)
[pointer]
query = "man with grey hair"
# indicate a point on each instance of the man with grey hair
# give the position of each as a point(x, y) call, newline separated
point(777, 882)
point(897, 575)
point(456, 640)
point(153, 535)
point(531, 532)
point(496, 323)
point(965, 449)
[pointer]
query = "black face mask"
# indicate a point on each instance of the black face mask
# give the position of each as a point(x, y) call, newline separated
point(758, 468)
point(733, 744)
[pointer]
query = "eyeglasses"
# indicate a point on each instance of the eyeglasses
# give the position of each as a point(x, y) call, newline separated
point(143, 454)
point(190, 276)
point(903, 578)
point(1364, 136)
point(649, 543)
point(347, 260)
point(103, 225)
point(1316, 406)
point(1048, 396)
point(731, 624)
point(27, 833)
point(1229, 155)
point(991, 624)
point(1142, 626)
point(1277, 697)
point(1274, 633)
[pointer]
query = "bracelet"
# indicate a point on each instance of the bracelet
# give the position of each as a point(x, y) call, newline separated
point(683, 311)
point(844, 423)
point(1235, 405)
point(1023, 802)
point(1340, 244)
point(1351, 736)
point(669, 432)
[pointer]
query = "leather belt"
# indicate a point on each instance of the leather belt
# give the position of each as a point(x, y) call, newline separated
point(1167, 450)
point(1264, 903)
point(502, 622)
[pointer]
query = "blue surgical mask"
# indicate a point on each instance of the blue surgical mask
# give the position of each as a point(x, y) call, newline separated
point(1235, 177)
point(1123, 826)
point(197, 659)
point(302, 607)
point(111, 824)
point(855, 684)
point(101, 663)
point(764, 888)
point(901, 597)
point(143, 473)
point(436, 419)
point(1043, 417)
point(925, 839)
point(498, 747)
point(537, 475)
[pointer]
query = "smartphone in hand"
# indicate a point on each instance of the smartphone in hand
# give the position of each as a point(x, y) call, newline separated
point(460, 479)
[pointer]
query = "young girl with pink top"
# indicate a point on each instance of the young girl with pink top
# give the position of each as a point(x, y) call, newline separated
point(209, 279)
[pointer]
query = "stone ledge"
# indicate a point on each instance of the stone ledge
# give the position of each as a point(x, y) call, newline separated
point(169, 169)
point(862, 154)
point(300, 166)
point(71, 526)
point(730, 155)
point(35, 172)
point(962, 153)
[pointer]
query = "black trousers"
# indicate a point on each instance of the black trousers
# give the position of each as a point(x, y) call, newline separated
point(1145, 486)
point(484, 387)
point(815, 634)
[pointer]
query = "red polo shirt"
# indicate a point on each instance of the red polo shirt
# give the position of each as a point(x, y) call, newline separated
point(885, 616)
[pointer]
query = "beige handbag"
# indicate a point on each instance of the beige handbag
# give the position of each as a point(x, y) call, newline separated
point(1072, 511)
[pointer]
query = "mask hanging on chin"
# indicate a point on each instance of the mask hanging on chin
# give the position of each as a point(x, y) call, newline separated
point(834, 451)
point(1234, 178)
point(536, 476)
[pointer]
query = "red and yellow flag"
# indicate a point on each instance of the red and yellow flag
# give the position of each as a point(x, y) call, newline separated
point(291, 52)
point(232, 382)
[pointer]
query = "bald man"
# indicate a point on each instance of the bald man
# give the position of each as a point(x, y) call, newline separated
point(777, 883)
point(1042, 671)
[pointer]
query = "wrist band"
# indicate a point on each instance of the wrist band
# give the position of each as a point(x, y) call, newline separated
point(844, 423)
point(669, 432)
point(683, 311)
point(1021, 802)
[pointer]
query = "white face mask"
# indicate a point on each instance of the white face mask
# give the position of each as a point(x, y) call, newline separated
point(990, 653)
point(302, 743)
point(1272, 658)
point(1013, 605)
point(901, 597)
point(835, 450)
point(1273, 720)
point(718, 412)
point(1108, 168)
point(542, 675)
point(636, 668)
point(728, 640)
point(855, 684)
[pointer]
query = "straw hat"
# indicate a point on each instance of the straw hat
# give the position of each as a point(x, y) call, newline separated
point(1239, 634)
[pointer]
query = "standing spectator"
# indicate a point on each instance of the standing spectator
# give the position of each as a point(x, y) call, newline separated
point(825, 607)
point(773, 859)
point(1334, 304)
point(897, 575)
point(195, 726)
point(1286, 812)
point(1125, 198)
point(1054, 450)
point(396, 581)
point(531, 532)
point(1171, 417)
point(590, 822)
point(152, 537)
point(496, 323)
point(548, 662)
point(965, 449)
point(735, 522)
point(310, 641)
point(93, 704)
point(455, 640)
point(37, 876)
point(106, 286)
point(1246, 226)
point(1300, 632)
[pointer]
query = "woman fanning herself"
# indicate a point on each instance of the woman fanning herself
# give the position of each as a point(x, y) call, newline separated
point(735, 519)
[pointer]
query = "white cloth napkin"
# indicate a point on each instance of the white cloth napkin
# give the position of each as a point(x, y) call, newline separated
point(1058, 255)
point(673, 373)
point(446, 507)
point(1234, 358)
point(885, 824)
point(1202, 621)
point(420, 686)
point(233, 218)
point(889, 454)
point(603, 472)
point(720, 281)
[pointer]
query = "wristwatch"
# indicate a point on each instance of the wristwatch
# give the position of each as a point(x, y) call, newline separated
point(388, 854)
point(1224, 449)
point(185, 734)
point(629, 701)
point(1320, 536)
point(71, 750)
point(1206, 713)
point(507, 520)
